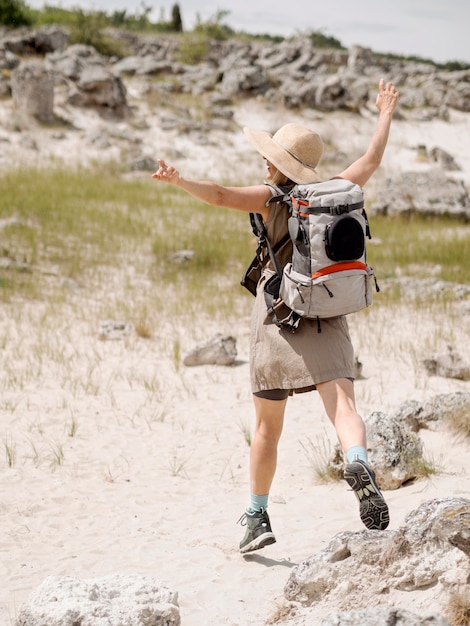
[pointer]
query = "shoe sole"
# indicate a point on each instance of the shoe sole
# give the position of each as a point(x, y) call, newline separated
point(373, 509)
point(260, 542)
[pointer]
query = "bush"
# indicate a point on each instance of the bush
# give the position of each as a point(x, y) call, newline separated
point(14, 13)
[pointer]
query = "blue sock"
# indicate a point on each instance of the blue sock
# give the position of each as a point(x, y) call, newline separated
point(257, 503)
point(356, 452)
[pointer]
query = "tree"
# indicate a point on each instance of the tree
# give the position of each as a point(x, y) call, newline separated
point(14, 13)
point(177, 22)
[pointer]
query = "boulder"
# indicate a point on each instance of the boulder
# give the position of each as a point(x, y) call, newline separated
point(220, 350)
point(433, 413)
point(115, 600)
point(32, 88)
point(383, 616)
point(449, 364)
point(99, 87)
point(394, 450)
point(428, 193)
point(429, 551)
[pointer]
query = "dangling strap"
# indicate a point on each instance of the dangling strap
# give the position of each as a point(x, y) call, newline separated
point(282, 315)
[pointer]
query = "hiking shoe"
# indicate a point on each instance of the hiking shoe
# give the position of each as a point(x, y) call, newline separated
point(372, 507)
point(258, 531)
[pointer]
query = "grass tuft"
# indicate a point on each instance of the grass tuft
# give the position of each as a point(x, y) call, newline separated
point(458, 609)
point(326, 463)
point(459, 421)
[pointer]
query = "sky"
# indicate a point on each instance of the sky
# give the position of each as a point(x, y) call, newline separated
point(437, 30)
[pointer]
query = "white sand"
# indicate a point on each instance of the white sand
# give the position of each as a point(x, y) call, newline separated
point(125, 462)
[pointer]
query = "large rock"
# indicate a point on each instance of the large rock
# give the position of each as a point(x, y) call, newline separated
point(220, 350)
point(395, 451)
point(430, 551)
point(115, 600)
point(383, 616)
point(448, 363)
point(428, 193)
point(27, 41)
point(99, 87)
point(32, 88)
point(71, 62)
point(433, 413)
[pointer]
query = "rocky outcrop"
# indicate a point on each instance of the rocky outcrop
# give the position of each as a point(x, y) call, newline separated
point(293, 73)
point(430, 551)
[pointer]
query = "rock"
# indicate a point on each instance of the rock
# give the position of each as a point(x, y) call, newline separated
point(428, 193)
point(356, 570)
point(71, 62)
point(111, 329)
point(142, 65)
point(433, 413)
point(250, 79)
point(114, 600)
point(32, 88)
point(291, 71)
point(27, 41)
point(360, 59)
point(220, 350)
point(448, 364)
point(99, 87)
point(444, 159)
point(395, 451)
point(182, 256)
point(383, 616)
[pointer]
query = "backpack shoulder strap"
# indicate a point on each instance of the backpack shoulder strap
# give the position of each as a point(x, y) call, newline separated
point(259, 229)
point(281, 194)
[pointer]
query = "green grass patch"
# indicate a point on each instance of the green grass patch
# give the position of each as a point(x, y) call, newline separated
point(82, 224)
point(85, 224)
point(421, 247)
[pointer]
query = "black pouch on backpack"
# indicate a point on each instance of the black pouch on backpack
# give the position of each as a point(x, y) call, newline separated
point(344, 239)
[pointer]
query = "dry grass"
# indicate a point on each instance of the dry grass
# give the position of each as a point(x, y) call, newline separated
point(458, 609)
point(459, 421)
point(327, 463)
point(282, 612)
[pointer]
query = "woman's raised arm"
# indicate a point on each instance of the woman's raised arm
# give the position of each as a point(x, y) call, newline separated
point(361, 170)
point(250, 199)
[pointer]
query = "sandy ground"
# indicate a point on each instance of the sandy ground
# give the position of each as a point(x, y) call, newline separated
point(126, 461)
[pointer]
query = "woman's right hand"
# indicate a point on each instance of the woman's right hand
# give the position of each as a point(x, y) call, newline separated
point(387, 97)
point(166, 173)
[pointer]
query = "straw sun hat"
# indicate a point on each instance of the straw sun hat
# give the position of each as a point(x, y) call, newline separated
point(294, 149)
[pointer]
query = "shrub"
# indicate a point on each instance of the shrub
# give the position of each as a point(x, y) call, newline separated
point(14, 13)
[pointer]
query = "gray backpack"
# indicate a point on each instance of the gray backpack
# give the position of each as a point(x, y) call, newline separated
point(328, 275)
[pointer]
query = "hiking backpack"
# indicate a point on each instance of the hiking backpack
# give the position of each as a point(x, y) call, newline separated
point(328, 275)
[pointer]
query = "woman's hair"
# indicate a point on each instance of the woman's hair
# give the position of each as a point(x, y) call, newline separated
point(281, 179)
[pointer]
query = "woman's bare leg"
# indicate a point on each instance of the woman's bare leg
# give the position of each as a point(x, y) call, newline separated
point(340, 406)
point(263, 452)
